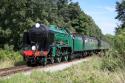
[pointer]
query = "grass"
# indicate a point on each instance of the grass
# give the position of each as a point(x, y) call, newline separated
point(10, 58)
point(86, 72)
point(113, 61)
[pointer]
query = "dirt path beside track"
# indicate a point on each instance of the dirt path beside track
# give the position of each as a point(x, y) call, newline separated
point(61, 66)
point(48, 68)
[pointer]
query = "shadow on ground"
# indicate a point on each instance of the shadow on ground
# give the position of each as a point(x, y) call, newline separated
point(19, 63)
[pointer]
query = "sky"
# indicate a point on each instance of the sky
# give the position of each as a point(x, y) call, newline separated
point(102, 12)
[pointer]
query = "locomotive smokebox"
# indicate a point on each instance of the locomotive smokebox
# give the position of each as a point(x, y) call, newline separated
point(38, 35)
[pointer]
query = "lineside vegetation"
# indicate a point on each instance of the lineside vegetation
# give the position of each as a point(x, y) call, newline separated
point(86, 72)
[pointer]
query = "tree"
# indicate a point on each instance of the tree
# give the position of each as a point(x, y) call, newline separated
point(120, 9)
point(17, 16)
point(119, 38)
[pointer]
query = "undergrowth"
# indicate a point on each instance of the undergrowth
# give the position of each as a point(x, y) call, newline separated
point(105, 69)
point(86, 72)
point(10, 58)
point(112, 61)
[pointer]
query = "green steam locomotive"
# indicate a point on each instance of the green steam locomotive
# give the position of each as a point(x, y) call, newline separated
point(42, 44)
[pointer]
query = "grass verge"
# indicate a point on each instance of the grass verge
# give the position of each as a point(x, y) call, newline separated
point(86, 72)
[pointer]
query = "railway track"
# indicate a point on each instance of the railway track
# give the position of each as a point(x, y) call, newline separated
point(24, 68)
point(13, 70)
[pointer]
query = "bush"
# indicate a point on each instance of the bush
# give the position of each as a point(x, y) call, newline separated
point(10, 58)
point(11, 55)
point(112, 61)
point(8, 47)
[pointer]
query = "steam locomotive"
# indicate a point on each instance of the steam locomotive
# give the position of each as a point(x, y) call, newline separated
point(43, 44)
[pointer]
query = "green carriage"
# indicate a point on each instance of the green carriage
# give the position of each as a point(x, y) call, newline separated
point(90, 43)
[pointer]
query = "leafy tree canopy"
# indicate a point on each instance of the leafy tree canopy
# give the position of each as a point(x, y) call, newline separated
point(17, 16)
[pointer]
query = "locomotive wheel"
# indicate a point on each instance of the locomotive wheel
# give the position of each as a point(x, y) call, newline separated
point(70, 57)
point(58, 59)
point(44, 61)
point(30, 62)
point(65, 58)
point(58, 56)
point(52, 60)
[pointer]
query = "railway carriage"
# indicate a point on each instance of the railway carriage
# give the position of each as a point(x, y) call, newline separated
point(42, 44)
point(104, 45)
point(84, 45)
point(90, 43)
point(77, 43)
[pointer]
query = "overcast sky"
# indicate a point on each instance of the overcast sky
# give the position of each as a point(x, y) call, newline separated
point(103, 13)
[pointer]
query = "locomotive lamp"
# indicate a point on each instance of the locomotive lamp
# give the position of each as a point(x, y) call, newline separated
point(37, 25)
point(33, 48)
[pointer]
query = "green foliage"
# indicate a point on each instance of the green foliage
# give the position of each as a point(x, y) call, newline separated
point(115, 59)
point(110, 39)
point(112, 61)
point(10, 58)
point(120, 41)
point(17, 16)
point(9, 55)
point(82, 73)
point(85, 72)
point(120, 8)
